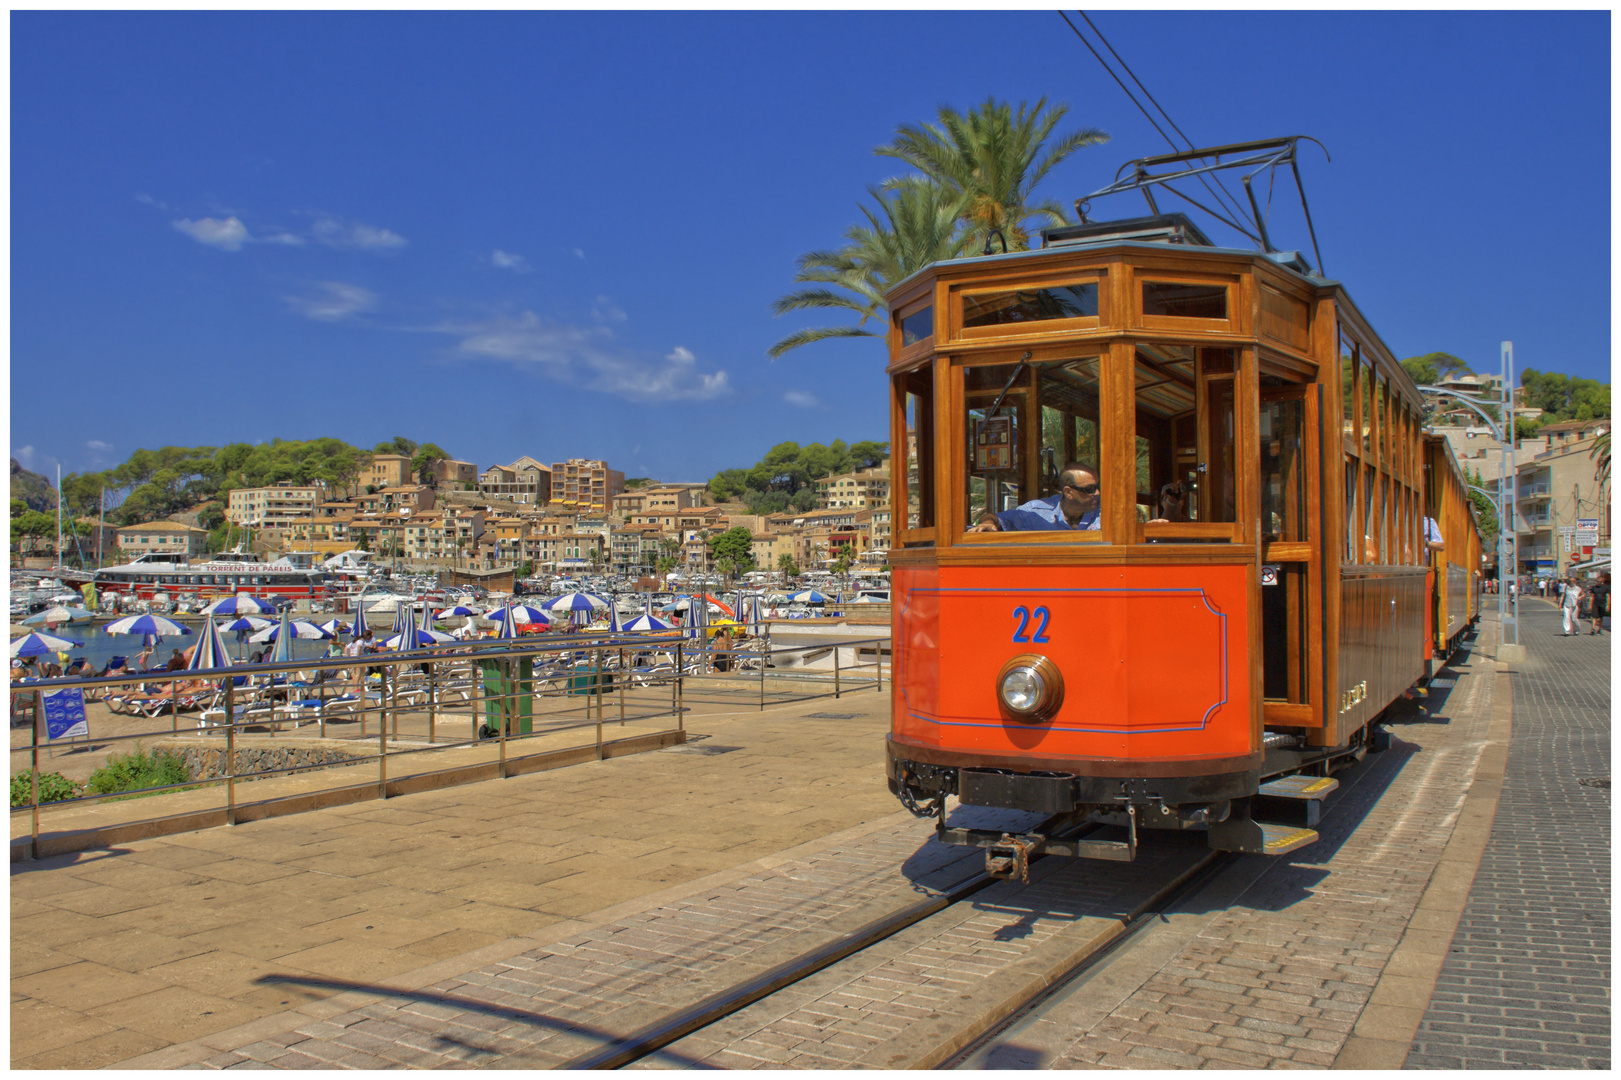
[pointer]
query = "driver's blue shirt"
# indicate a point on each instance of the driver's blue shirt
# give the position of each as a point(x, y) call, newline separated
point(1046, 514)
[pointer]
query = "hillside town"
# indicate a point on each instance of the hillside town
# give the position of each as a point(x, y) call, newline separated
point(523, 517)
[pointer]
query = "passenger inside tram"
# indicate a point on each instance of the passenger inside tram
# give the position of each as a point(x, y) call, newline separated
point(1078, 506)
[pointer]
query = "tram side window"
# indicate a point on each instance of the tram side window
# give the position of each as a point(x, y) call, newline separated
point(915, 393)
point(1025, 422)
point(1283, 473)
point(1185, 433)
point(1351, 470)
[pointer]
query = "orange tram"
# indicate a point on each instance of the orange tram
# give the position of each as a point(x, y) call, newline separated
point(1237, 579)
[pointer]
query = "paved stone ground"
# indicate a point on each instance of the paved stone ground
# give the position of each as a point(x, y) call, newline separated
point(120, 952)
point(1526, 983)
point(1288, 957)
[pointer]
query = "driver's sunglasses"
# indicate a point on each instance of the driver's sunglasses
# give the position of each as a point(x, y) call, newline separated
point(1089, 489)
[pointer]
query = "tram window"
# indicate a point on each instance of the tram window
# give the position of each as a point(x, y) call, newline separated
point(1351, 472)
point(1385, 513)
point(917, 326)
point(1365, 377)
point(916, 392)
point(1184, 300)
point(1347, 388)
point(1005, 306)
point(1283, 473)
point(1165, 378)
point(1024, 423)
point(1369, 554)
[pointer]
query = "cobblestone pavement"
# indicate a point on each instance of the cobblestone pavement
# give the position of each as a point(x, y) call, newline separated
point(1526, 983)
point(1288, 957)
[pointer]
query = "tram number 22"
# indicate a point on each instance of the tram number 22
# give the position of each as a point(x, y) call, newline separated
point(1024, 615)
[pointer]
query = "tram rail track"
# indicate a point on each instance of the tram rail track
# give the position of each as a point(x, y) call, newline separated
point(1036, 980)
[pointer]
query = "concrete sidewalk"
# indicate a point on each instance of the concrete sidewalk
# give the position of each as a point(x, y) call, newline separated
point(120, 952)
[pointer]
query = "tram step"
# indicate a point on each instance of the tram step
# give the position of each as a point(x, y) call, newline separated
point(1282, 839)
point(1299, 787)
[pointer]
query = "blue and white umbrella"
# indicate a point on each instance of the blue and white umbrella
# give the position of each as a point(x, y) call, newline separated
point(519, 613)
point(454, 612)
point(242, 604)
point(37, 644)
point(246, 624)
point(508, 621)
point(300, 629)
point(405, 615)
point(613, 620)
point(57, 615)
point(807, 596)
point(576, 601)
point(210, 651)
point(146, 624)
point(334, 627)
point(645, 622)
point(415, 638)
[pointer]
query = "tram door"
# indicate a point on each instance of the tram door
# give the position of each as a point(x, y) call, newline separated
point(1291, 610)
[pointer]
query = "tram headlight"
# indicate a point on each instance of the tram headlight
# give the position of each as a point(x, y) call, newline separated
point(1029, 688)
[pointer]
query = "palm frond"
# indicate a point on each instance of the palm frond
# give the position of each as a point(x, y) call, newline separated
point(805, 337)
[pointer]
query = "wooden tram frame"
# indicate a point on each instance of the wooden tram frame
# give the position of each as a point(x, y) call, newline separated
point(1367, 606)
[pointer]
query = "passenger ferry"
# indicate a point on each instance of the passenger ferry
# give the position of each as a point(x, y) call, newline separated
point(162, 572)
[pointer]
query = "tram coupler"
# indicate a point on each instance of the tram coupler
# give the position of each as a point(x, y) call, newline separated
point(1011, 855)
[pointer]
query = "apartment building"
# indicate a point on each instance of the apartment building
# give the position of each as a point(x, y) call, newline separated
point(523, 481)
point(584, 484)
point(634, 548)
point(454, 473)
point(857, 490)
point(563, 551)
point(1556, 490)
point(168, 537)
point(445, 535)
point(386, 470)
point(416, 498)
point(277, 506)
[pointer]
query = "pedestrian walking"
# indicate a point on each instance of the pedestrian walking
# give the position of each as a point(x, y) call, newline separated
point(1567, 604)
point(1599, 601)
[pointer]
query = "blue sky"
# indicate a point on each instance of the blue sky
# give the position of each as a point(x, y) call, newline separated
point(560, 234)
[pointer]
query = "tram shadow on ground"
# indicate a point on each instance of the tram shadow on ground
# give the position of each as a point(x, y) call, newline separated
point(482, 1055)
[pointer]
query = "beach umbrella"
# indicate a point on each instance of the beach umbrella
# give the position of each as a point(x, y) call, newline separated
point(246, 624)
point(575, 601)
point(333, 627)
point(613, 620)
point(508, 621)
point(210, 651)
point(285, 636)
point(519, 613)
point(645, 622)
point(59, 614)
point(807, 596)
point(300, 629)
point(241, 605)
point(454, 612)
point(146, 624)
point(37, 644)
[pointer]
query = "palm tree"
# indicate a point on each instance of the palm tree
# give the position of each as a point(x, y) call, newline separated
point(915, 225)
point(994, 158)
point(1600, 453)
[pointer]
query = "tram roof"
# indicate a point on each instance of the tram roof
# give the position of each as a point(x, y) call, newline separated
point(1285, 260)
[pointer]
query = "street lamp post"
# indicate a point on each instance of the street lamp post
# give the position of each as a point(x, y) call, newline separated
point(1508, 541)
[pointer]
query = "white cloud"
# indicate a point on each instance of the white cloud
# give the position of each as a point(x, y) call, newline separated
point(98, 446)
point(588, 357)
point(354, 234)
point(505, 260)
point(335, 301)
point(578, 254)
point(227, 234)
point(24, 456)
point(287, 238)
point(804, 399)
point(603, 310)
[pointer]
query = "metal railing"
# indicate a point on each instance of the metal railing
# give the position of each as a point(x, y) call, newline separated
point(585, 682)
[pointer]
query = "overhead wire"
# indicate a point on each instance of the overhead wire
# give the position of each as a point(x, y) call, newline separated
point(1231, 201)
point(1237, 210)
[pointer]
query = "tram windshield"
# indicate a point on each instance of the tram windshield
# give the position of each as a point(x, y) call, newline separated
point(1032, 427)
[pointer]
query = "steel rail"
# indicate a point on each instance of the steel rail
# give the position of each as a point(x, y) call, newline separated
point(717, 1006)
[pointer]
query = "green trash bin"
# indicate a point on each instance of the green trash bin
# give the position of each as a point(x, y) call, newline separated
point(498, 705)
point(590, 681)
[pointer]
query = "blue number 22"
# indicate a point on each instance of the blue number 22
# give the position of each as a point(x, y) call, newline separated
point(1023, 615)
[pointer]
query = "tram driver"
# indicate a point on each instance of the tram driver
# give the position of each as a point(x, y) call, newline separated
point(1077, 506)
